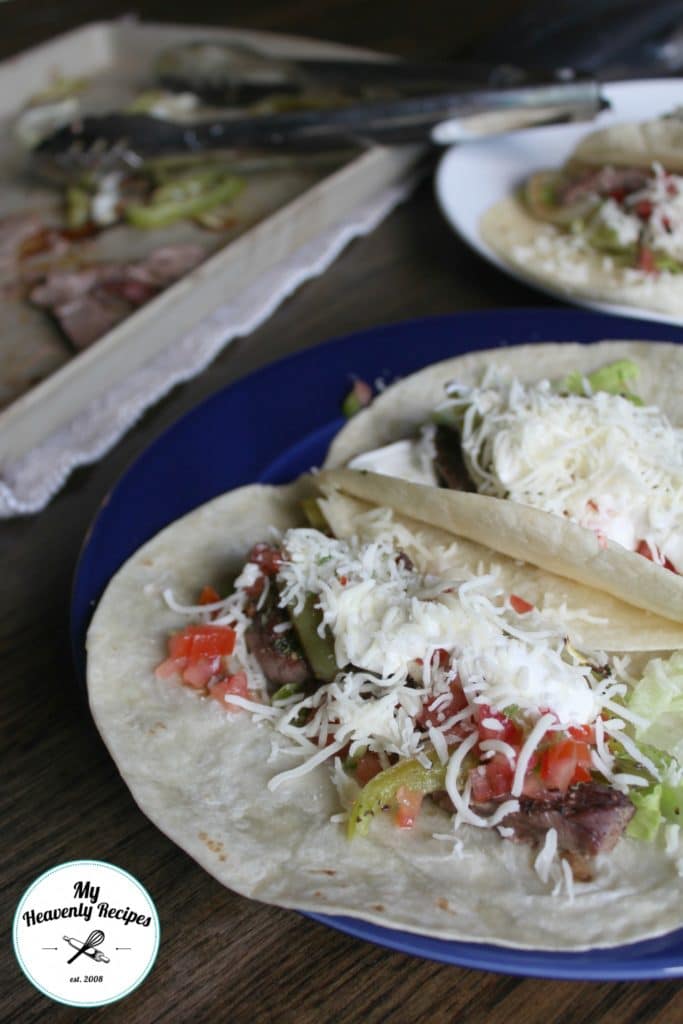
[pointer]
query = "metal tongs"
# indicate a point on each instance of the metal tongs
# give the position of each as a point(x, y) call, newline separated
point(509, 98)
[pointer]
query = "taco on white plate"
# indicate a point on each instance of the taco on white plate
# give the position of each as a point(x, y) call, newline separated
point(567, 456)
point(364, 717)
point(607, 225)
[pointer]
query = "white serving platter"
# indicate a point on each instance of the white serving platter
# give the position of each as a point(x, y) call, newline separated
point(473, 178)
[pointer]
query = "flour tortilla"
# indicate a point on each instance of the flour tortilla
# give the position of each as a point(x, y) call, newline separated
point(635, 145)
point(538, 537)
point(545, 254)
point(201, 776)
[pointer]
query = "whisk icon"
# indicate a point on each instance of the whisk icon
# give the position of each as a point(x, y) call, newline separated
point(96, 938)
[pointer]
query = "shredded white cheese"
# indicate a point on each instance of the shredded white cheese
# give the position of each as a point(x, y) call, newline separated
point(602, 461)
point(545, 722)
point(546, 856)
point(410, 643)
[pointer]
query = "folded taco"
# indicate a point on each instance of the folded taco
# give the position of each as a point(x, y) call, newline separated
point(608, 224)
point(568, 456)
point(366, 719)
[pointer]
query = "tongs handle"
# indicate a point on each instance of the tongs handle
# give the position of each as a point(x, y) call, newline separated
point(391, 122)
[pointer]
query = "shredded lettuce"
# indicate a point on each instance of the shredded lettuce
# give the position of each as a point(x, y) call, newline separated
point(658, 701)
point(648, 817)
point(659, 804)
point(672, 803)
point(615, 379)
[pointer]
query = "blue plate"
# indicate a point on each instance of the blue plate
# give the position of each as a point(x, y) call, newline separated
point(277, 423)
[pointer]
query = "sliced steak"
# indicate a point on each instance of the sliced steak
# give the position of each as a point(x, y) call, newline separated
point(166, 264)
point(278, 653)
point(88, 317)
point(448, 461)
point(89, 301)
point(604, 181)
point(61, 286)
point(589, 818)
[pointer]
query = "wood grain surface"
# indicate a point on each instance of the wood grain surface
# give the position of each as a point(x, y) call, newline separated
point(224, 958)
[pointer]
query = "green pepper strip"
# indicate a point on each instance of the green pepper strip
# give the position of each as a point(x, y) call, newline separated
point(319, 650)
point(665, 262)
point(351, 405)
point(77, 207)
point(381, 791)
point(165, 211)
point(287, 691)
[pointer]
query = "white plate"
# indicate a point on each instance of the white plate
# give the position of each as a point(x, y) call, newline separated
point(473, 177)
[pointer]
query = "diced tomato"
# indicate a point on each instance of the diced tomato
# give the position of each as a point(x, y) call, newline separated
point(343, 580)
point(565, 763)
point(457, 702)
point(618, 194)
point(267, 557)
point(646, 260)
point(441, 657)
point(500, 775)
point(170, 667)
point(492, 779)
point(646, 551)
point(367, 767)
point(236, 685)
point(481, 790)
point(204, 641)
point(409, 802)
point(581, 774)
point(520, 605)
point(532, 786)
point(200, 672)
point(254, 591)
point(195, 654)
point(509, 733)
point(643, 209)
point(584, 733)
point(209, 595)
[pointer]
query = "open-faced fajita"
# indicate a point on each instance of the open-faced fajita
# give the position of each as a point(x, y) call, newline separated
point(360, 713)
point(608, 225)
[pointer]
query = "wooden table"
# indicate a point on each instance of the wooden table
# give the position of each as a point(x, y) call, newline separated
point(223, 957)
